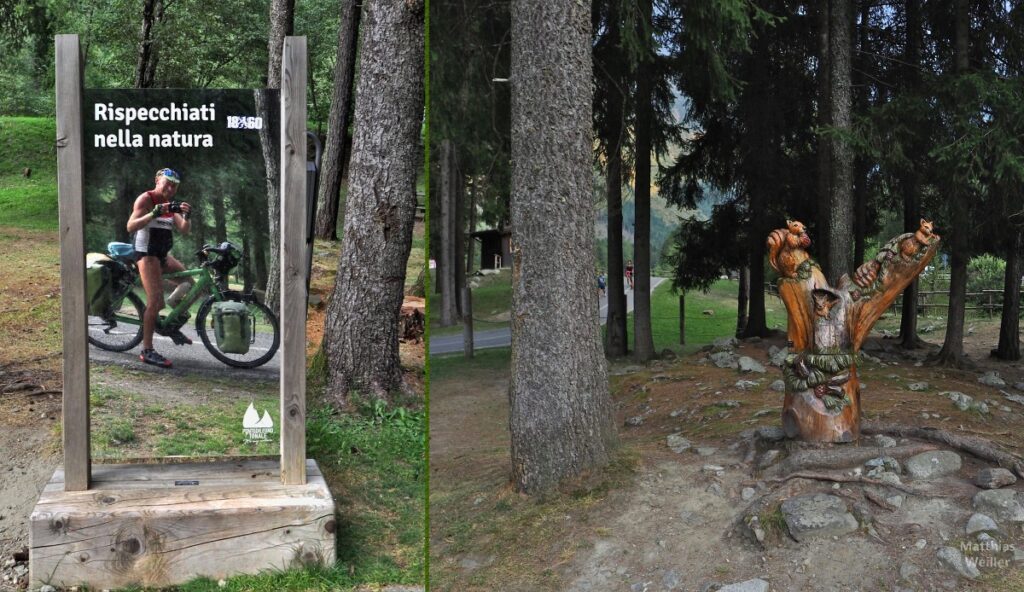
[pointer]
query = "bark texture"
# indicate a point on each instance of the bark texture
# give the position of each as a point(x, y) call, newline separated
point(362, 324)
point(643, 339)
point(616, 344)
point(839, 213)
point(282, 21)
point(334, 157)
point(1009, 320)
point(561, 415)
point(145, 65)
point(909, 179)
point(446, 272)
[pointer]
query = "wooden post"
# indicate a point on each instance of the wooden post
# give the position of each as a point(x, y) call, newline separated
point(467, 321)
point(682, 318)
point(293, 262)
point(75, 430)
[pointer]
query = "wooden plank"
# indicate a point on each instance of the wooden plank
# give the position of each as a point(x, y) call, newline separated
point(75, 427)
point(250, 470)
point(293, 261)
point(157, 534)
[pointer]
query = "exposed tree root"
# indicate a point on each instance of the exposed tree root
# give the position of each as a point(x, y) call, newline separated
point(982, 449)
point(843, 478)
point(841, 457)
point(878, 500)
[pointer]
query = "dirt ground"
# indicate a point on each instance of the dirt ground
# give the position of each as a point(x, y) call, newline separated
point(659, 521)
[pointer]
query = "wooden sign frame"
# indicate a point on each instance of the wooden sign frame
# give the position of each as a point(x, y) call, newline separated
point(102, 526)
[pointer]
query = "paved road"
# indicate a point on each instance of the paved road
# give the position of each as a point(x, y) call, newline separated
point(448, 344)
point(188, 359)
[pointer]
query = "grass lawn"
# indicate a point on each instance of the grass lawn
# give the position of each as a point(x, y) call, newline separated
point(28, 142)
point(492, 301)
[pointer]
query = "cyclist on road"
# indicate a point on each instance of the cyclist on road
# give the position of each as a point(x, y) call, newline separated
point(629, 273)
point(153, 221)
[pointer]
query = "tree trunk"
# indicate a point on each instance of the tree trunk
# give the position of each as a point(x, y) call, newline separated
point(952, 352)
point(560, 421)
point(282, 21)
point(362, 323)
point(338, 122)
point(446, 262)
point(643, 339)
point(909, 180)
point(145, 65)
point(824, 142)
point(838, 231)
point(742, 301)
point(861, 164)
point(220, 225)
point(470, 241)
point(1009, 322)
point(459, 235)
point(617, 338)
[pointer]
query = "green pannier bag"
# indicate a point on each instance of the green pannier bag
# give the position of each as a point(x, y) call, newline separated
point(99, 288)
point(232, 327)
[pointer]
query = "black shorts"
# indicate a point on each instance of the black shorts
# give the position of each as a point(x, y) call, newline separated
point(163, 258)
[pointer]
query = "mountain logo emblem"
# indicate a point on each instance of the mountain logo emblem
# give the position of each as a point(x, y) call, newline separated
point(256, 428)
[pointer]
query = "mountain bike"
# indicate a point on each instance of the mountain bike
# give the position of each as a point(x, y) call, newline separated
point(119, 327)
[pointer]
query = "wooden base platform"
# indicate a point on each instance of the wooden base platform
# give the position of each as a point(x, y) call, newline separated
point(158, 525)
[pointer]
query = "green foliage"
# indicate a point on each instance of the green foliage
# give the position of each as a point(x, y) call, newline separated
point(28, 202)
point(985, 272)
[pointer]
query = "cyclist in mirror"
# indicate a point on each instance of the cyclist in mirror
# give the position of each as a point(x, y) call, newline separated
point(153, 221)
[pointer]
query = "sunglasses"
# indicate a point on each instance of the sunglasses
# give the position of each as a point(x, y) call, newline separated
point(171, 175)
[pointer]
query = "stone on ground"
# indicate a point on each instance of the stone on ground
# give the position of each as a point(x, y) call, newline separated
point(677, 443)
point(817, 515)
point(981, 523)
point(885, 441)
point(706, 450)
point(746, 385)
point(755, 585)
point(918, 386)
point(724, 344)
point(748, 364)
point(932, 464)
point(779, 385)
point(991, 378)
point(952, 558)
point(1004, 505)
point(725, 359)
point(990, 478)
point(748, 493)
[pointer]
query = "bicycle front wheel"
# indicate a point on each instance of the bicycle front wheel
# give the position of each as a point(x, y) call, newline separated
point(120, 331)
point(265, 335)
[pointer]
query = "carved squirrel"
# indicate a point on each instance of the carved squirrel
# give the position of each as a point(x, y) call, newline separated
point(786, 248)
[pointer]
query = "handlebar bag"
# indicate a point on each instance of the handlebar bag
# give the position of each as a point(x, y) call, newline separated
point(232, 326)
point(99, 287)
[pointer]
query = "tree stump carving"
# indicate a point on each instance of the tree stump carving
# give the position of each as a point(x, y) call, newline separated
point(828, 324)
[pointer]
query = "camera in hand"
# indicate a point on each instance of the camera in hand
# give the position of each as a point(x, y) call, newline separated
point(174, 207)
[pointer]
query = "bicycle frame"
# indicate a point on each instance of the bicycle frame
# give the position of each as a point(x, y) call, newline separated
point(205, 280)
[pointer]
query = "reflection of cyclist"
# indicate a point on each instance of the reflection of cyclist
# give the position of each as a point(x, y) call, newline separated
point(601, 283)
point(152, 222)
point(629, 273)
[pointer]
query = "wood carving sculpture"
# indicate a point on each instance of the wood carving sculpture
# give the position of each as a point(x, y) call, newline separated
point(828, 324)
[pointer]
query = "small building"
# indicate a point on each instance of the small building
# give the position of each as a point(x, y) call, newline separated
point(495, 248)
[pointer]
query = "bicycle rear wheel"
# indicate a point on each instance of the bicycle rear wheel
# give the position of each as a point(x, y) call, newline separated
point(116, 335)
point(265, 334)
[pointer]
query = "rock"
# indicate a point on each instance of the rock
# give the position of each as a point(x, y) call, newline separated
point(908, 571)
point(20, 570)
point(778, 357)
point(1004, 505)
point(952, 558)
point(1014, 398)
point(755, 585)
point(763, 412)
point(677, 443)
point(9, 563)
point(817, 515)
point(748, 493)
point(895, 500)
point(994, 478)
point(886, 463)
point(635, 421)
point(778, 386)
point(716, 489)
point(769, 458)
point(921, 543)
point(706, 450)
point(963, 402)
point(716, 469)
point(725, 359)
point(885, 441)
point(671, 580)
point(708, 312)
point(47, 588)
point(981, 523)
point(748, 364)
point(667, 354)
point(723, 344)
point(746, 385)
point(887, 477)
point(731, 403)
point(991, 378)
point(918, 386)
point(935, 463)
point(1019, 386)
